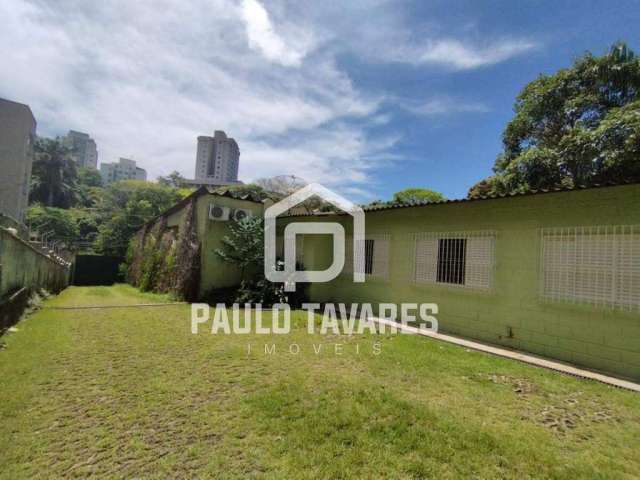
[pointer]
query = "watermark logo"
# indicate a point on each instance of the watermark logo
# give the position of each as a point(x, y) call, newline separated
point(289, 275)
point(325, 319)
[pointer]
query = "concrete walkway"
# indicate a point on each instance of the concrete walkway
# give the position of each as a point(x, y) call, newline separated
point(515, 355)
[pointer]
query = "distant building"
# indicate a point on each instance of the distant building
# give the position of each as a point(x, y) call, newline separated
point(125, 169)
point(17, 135)
point(217, 160)
point(83, 149)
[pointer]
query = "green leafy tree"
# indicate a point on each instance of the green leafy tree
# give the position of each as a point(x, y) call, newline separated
point(87, 221)
point(244, 247)
point(54, 174)
point(185, 192)
point(173, 180)
point(59, 222)
point(89, 177)
point(417, 195)
point(89, 187)
point(125, 208)
point(89, 197)
point(577, 127)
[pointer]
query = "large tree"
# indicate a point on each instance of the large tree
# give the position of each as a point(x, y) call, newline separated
point(58, 223)
point(282, 184)
point(579, 126)
point(54, 175)
point(417, 195)
point(125, 208)
point(174, 180)
point(89, 187)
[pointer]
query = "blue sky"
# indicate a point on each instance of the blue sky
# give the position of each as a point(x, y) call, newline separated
point(367, 96)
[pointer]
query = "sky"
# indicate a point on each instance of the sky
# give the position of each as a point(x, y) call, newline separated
point(364, 96)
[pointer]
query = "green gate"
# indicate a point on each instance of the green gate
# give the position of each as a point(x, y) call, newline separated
point(96, 270)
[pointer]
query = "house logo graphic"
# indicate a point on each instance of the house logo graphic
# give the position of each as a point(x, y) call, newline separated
point(289, 275)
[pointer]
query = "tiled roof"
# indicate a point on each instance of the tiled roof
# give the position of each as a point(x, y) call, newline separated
point(377, 208)
point(250, 197)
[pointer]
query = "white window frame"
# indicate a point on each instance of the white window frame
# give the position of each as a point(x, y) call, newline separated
point(595, 265)
point(480, 258)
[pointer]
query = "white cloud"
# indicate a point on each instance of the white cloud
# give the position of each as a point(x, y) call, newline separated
point(339, 156)
point(442, 105)
point(146, 77)
point(263, 37)
point(145, 80)
point(385, 31)
point(455, 54)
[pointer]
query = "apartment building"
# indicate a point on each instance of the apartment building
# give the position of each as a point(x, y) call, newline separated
point(84, 150)
point(17, 135)
point(217, 160)
point(124, 169)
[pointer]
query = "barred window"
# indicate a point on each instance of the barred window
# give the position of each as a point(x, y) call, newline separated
point(452, 253)
point(464, 259)
point(598, 265)
point(368, 256)
point(376, 255)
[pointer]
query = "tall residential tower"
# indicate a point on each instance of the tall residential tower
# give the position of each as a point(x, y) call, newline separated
point(217, 160)
point(83, 149)
point(17, 135)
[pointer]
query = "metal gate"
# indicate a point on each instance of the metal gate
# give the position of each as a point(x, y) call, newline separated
point(96, 270)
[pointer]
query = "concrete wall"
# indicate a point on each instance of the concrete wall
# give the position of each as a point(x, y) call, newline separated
point(596, 337)
point(21, 265)
point(17, 134)
point(10, 222)
point(23, 270)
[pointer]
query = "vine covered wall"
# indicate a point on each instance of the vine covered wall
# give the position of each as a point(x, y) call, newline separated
point(166, 259)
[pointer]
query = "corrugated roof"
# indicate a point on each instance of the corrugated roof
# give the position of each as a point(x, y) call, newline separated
point(250, 197)
point(377, 208)
point(201, 191)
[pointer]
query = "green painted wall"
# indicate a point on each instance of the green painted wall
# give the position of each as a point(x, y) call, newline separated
point(599, 338)
point(216, 273)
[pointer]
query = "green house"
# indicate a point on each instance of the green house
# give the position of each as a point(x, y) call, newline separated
point(553, 273)
point(192, 230)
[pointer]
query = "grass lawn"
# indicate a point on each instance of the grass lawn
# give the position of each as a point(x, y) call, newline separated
point(130, 392)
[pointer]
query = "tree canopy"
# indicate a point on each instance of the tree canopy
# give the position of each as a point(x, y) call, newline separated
point(125, 207)
point(417, 195)
point(282, 184)
point(89, 177)
point(174, 180)
point(579, 126)
point(57, 221)
point(54, 174)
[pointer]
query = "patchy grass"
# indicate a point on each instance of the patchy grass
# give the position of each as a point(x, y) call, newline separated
point(132, 393)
